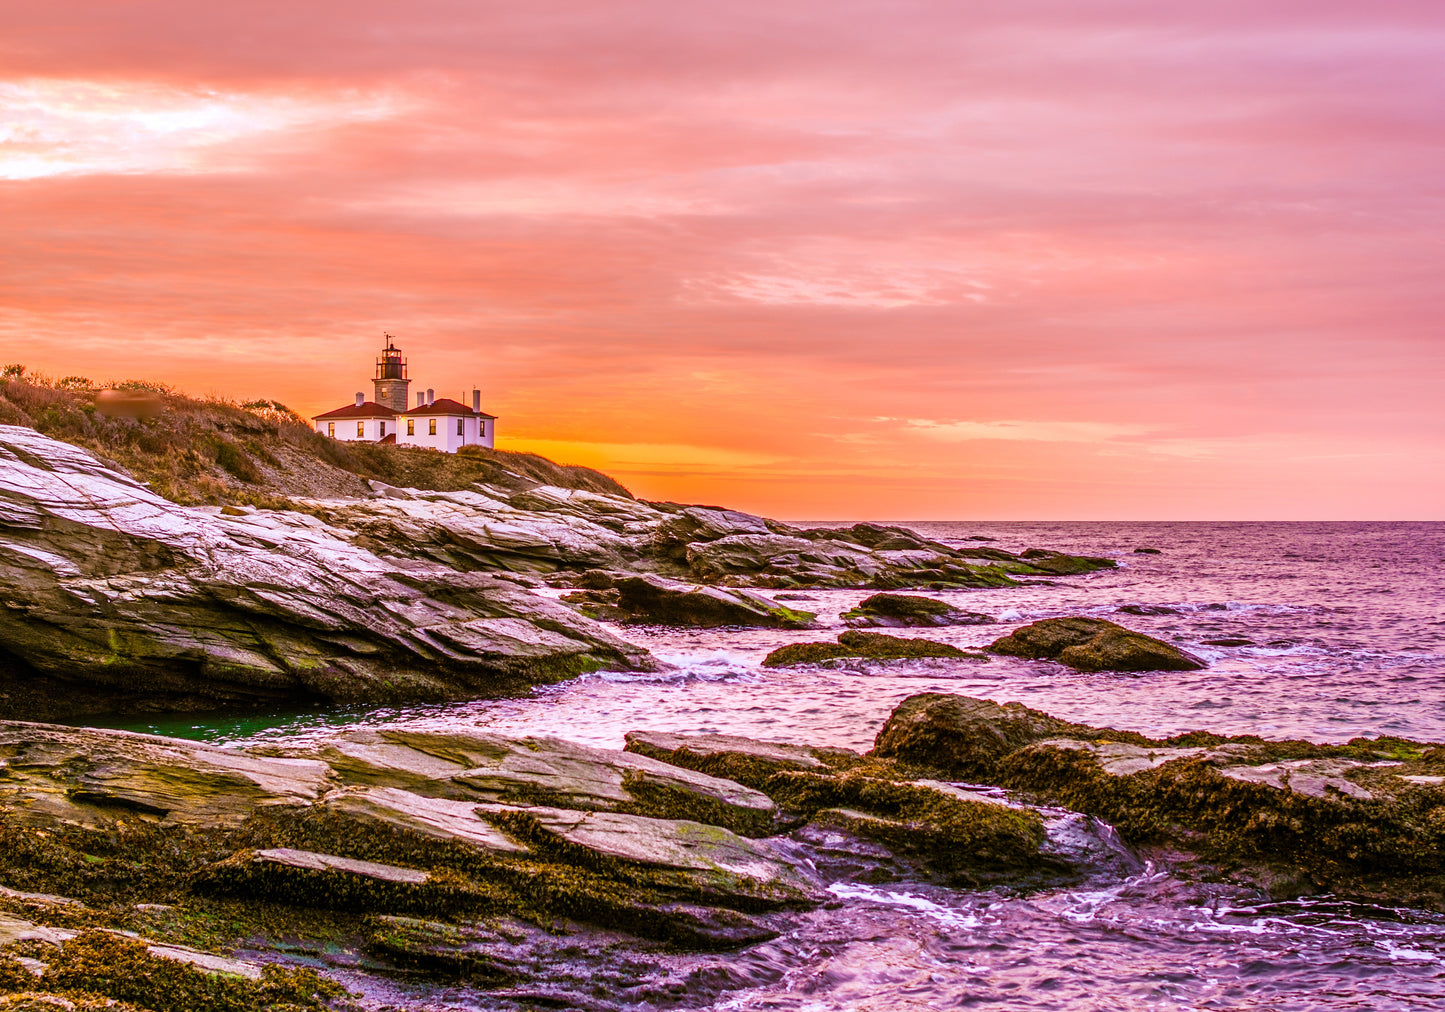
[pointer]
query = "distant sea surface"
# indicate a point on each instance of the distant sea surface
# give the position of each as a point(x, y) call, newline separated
point(1344, 635)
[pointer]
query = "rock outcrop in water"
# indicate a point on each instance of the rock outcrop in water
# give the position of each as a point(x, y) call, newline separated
point(1365, 819)
point(1093, 644)
point(900, 611)
point(864, 646)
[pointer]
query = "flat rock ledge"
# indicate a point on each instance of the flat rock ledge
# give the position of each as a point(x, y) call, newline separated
point(658, 601)
point(489, 857)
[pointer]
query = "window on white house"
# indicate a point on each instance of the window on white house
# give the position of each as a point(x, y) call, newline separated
point(381, 429)
point(481, 430)
point(411, 426)
point(431, 427)
point(360, 429)
point(331, 429)
point(461, 426)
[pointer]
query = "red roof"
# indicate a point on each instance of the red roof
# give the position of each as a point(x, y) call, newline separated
point(369, 409)
point(446, 406)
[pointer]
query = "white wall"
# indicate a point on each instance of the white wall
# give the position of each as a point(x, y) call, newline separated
point(345, 428)
point(446, 439)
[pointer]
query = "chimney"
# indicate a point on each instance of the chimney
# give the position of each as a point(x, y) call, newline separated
point(476, 400)
point(431, 397)
point(360, 399)
point(420, 399)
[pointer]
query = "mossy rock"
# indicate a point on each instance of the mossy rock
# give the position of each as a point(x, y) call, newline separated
point(1366, 818)
point(871, 646)
point(905, 610)
point(1093, 644)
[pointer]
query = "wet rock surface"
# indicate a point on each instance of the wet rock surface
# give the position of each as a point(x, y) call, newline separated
point(537, 870)
point(659, 601)
point(119, 600)
point(1362, 819)
point(481, 767)
point(866, 646)
point(909, 610)
point(1094, 644)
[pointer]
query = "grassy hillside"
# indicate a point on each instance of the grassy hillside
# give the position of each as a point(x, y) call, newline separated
point(223, 453)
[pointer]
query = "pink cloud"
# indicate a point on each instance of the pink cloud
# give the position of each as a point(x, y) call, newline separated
point(1196, 241)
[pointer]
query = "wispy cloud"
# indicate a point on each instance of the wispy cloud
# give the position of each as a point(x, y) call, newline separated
point(1018, 430)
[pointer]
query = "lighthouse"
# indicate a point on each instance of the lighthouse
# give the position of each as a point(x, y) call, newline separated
point(436, 423)
point(391, 383)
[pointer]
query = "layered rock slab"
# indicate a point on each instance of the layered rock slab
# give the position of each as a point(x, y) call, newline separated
point(541, 770)
point(658, 601)
point(119, 598)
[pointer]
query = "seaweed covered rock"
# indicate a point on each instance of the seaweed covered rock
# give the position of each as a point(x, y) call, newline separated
point(744, 760)
point(657, 601)
point(875, 818)
point(106, 970)
point(869, 646)
point(393, 823)
point(1365, 819)
point(1054, 563)
point(904, 610)
point(697, 861)
point(961, 736)
point(1093, 644)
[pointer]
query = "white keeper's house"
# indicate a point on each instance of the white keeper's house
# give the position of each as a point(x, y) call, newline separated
point(435, 422)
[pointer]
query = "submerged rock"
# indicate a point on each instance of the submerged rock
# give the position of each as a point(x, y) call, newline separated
point(1093, 644)
point(903, 610)
point(871, 646)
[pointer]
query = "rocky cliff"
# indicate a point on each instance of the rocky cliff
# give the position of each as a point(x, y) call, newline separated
point(117, 598)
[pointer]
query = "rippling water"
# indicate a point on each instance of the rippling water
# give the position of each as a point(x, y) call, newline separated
point(1345, 626)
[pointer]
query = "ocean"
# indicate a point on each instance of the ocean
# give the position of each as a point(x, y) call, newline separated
point(1323, 631)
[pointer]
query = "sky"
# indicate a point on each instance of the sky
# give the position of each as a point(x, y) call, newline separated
point(913, 259)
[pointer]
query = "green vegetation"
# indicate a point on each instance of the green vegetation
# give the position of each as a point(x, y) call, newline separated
point(212, 451)
point(106, 965)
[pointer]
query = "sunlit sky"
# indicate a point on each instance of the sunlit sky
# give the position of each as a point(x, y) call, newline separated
point(873, 260)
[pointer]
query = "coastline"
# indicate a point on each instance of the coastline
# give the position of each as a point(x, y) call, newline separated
point(436, 857)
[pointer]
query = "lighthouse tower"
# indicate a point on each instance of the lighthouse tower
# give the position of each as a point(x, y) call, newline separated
point(391, 382)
